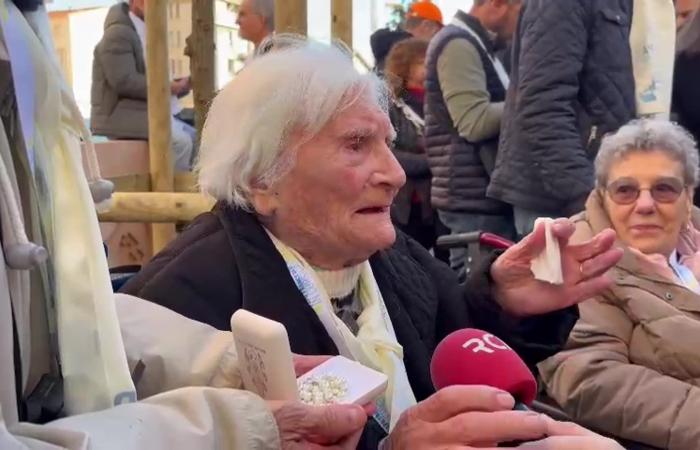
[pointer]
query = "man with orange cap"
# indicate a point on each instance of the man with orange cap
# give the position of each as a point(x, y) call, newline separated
point(423, 20)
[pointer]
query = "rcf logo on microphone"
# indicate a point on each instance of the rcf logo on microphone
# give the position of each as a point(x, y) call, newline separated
point(488, 343)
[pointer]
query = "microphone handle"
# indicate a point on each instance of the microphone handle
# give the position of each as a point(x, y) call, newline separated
point(520, 406)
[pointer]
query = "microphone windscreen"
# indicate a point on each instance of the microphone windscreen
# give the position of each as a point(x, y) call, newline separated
point(475, 357)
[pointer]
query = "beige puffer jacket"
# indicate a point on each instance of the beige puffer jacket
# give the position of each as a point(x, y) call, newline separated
point(632, 364)
point(118, 94)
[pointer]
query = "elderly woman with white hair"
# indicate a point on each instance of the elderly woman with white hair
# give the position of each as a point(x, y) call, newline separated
point(296, 150)
point(632, 364)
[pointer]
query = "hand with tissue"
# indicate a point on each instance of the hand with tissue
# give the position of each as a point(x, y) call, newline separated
point(521, 293)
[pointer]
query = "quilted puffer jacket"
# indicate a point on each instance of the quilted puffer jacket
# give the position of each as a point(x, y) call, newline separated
point(571, 82)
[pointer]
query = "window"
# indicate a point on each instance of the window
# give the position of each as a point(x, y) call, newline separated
point(231, 65)
point(172, 66)
point(230, 38)
point(177, 9)
point(179, 40)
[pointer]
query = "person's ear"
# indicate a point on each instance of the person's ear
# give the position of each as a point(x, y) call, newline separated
point(265, 200)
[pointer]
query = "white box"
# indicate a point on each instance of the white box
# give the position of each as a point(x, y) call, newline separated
point(363, 384)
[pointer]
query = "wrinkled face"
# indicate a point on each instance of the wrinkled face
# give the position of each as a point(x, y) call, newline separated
point(251, 26)
point(653, 221)
point(333, 206)
point(685, 10)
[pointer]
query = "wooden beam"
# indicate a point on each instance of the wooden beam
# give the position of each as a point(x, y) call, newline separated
point(201, 48)
point(139, 182)
point(158, 77)
point(290, 16)
point(185, 182)
point(341, 21)
point(156, 207)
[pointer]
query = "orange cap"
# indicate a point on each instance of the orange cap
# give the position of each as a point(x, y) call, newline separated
point(425, 10)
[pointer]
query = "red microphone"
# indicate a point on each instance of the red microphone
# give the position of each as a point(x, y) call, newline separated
point(475, 357)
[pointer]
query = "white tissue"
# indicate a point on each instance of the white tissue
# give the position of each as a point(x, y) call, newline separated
point(547, 265)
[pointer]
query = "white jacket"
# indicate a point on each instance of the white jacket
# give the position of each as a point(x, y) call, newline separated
point(185, 407)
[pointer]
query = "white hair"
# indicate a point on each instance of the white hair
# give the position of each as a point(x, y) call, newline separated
point(647, 135)
point(276, 103)
point(266, 9)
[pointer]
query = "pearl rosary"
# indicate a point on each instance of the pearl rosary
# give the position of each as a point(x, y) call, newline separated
point(322, 390)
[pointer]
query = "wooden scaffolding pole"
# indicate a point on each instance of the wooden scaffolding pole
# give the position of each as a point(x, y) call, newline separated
point(158, 77)
point(290, 16)
point(156, 207)
point(201, 49)
point(341, 21)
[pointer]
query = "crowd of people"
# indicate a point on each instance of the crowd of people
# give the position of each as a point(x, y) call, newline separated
point(332, 187)
point(533, 132)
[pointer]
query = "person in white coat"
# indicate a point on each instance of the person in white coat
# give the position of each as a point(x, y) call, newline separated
point(187, 367)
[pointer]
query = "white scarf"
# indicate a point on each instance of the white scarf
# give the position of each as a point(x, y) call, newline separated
point(374, 346)
point(652, 43)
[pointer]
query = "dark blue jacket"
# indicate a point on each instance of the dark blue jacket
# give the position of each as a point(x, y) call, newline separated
point(571, 83)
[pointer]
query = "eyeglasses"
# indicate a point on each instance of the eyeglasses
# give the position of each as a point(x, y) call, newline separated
point(626, 191)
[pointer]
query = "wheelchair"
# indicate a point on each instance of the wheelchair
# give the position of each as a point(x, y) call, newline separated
point(479, 244)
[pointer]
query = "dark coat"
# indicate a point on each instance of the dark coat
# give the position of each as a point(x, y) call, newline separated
point(27, 5)
point(225, 261)
point(571, 83)
point(118, 94)
point(460, 174)
point(686, 92)
point(409, 149)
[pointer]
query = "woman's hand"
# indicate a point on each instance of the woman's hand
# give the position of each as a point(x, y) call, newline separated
point(335, 427)
point(464, 417)
point(569, 436)
point(583, 267)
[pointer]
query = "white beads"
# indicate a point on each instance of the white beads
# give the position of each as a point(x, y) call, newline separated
point(322, 390)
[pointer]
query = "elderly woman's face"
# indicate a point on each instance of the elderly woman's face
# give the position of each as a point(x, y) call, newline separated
point(335, 202)
point(647, 201)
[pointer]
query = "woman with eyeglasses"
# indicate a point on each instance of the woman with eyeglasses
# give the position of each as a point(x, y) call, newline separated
point(631, 366)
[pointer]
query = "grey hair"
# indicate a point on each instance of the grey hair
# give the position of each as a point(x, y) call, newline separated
point(647, 135)
point(280, 100)
point(265, 9)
